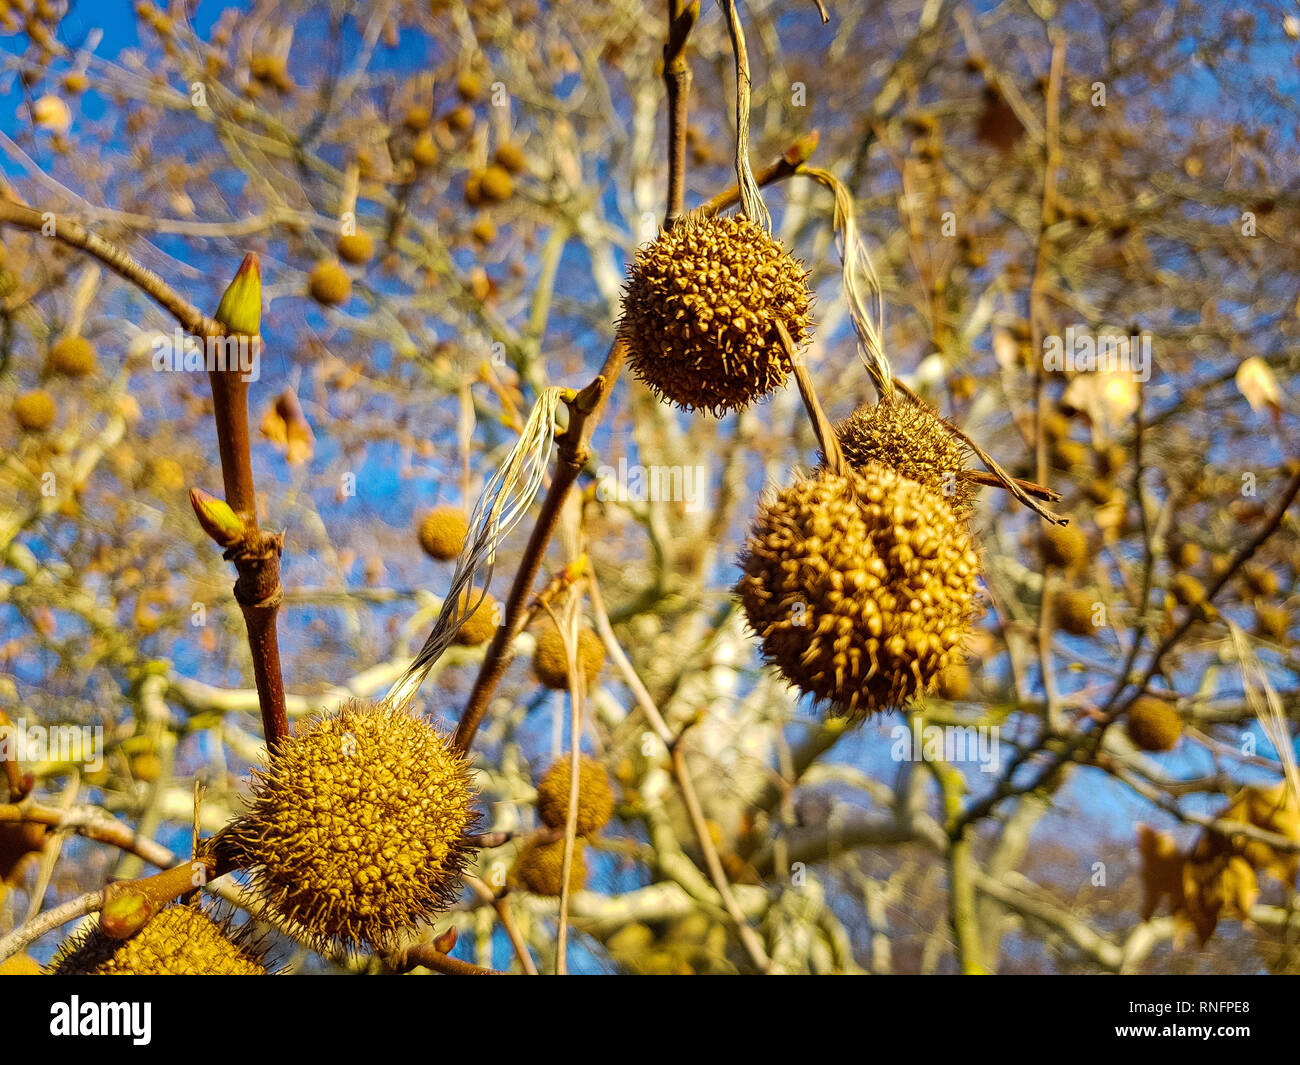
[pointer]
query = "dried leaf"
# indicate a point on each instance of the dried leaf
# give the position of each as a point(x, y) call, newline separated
point(1162, 870)
point(1256, 381)
point(286, 427)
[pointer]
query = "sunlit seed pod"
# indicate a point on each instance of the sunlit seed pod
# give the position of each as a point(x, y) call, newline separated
point(550, 665)
point(1075, 612)
point(35, 411)
point(180, 940)
point(495, 184)
point(700, 313)
point(510, 157)
point(1064, 546)
point(443, 531)
point(595, 797)
point(71, 356)
point(424, 152)
point(357, 248)
point(1153, 724)
point(329, 283)
point(540, 868)
point(481, 625)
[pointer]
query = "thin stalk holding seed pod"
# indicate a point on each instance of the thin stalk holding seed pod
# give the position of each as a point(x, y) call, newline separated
point(504, 501)
point(751, 199)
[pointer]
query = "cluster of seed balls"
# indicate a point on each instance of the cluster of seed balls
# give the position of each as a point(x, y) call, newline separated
point(181, 940)
point(539, 868)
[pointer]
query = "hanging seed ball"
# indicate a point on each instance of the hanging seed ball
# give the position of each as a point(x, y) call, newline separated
point(329, 283)
point(484, 231)
point(71, 356)
point(495, 184)
point(1186, 555)
point(358, 247)
point(443, 532)
point(1272, 622)
point(1074, 612)
point(469, 86)
point(459, 119)
point(860, 588)
point(1187, 590)
point(179, 941)
point(1260, 580)
point(700, 310)
point(417, 118)
point(1064, 546)
point(481, 625)
point(424, 152)
point(551, 666)
point(1153, 725)
point(510, 157)
point(35, 411)
point(540, 868)
point(595, 797)
point(913, 441)
point(357, 827)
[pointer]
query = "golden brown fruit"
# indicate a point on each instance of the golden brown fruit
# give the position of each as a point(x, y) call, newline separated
point(495, 184)
point(424, 151)
point(595, 797)
point(914, 441)
point(35, 411)
point(1064, 546)
point(860, 588)
point(443, 532)
point(469, 86)
point(179, 941)
point(329, 283)
point(357, 830)
point(1075, 611)
point(540, 867)
point(71, 356)
point(510, 157)
point(358, 247)
point(551, 665)
point(481, 625)
point(700, 313)
point(1153, 725)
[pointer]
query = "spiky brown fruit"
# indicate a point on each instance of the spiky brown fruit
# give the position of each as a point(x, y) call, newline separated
point(540, 867)
point(914, 441)
point(861, 588)
point(551, 665)
point(1064, 546)
point(443, 531)
point(329, 283)
point(180, 940)
point(1153, 725)
point(481, 625)
point(595, 797)
point(71, 356)
point(1075, 610)
point(357, 826)
point(357, 248)
point(700, 311)
point(35, 411)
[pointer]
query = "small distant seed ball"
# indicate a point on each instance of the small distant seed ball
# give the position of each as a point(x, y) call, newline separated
point(595, 797)
point(329, 283)
point(146, 766)
point(358, 247)
point(700, 313)
point(954, 682)
point(914, 441)
point(417, 118)
point(1153, 725)
point(443, 532)
point(179, 941)
point(540, 868)
point(469, 86)
point(1187, 555)
point(474, 190)
point(1187, 590)
point(1100, 490)
point(71, 356)
point(1064, 546)
point(481, 625)
point(510, 157)
point(1260, 580)
point(551, 665)
point(484, 231)
point(35, 411)
point(424, 151)
point(357, 829)
point(495, 184)
point(1074, 611)
point(22, 964)
point(460, 119)
point(861, 589)
point(1272, 621)
point(1066, 454)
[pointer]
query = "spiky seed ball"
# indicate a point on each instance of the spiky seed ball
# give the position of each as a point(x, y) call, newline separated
point(179, 941)
point(700, 311)
point(358, 247)
point(510, 157)
point(914, 441)
point(329, 283)
point(540, 868)
point(495, 184)
point(357, 826)
point(481, 625)
point(551, 666)
point(1153, 725)
point(595, 797)
point(1074, 610)
point(861, 588)
point(35, 411)
point(1064, 546)
point(71, 356)
point(443, 531)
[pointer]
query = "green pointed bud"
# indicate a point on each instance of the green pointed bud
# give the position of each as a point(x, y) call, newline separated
point(240, 309)
point(219, 521)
